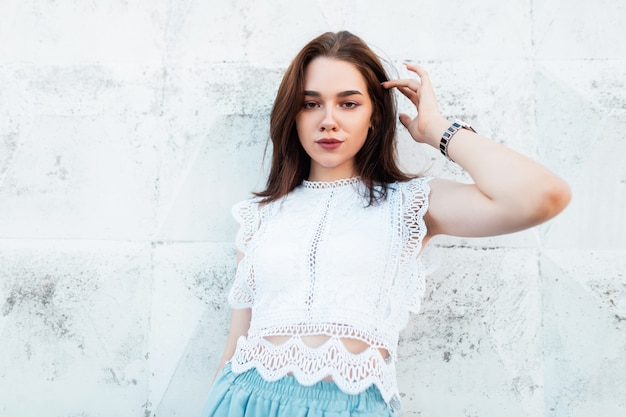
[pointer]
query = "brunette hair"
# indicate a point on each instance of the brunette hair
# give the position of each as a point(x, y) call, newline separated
point(375, 162)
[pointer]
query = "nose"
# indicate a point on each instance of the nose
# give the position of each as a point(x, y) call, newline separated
point(329, 122)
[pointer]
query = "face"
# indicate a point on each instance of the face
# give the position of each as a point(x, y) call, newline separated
point(335, 117)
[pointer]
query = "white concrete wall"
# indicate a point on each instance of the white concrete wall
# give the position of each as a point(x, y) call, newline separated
point(129, 127)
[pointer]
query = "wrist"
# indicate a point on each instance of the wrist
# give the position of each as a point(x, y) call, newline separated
point(435, 129)
point(450, 133)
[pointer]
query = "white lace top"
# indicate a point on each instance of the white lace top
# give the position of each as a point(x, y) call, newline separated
point(319, 261)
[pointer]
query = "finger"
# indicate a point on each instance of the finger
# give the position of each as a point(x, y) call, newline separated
point(421, 72)
point(405, 119)
point(415, 68)
point(410, 94)
point(413, 84)
point(406, 91)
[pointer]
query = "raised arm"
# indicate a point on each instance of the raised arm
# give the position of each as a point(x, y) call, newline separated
point(510, 192)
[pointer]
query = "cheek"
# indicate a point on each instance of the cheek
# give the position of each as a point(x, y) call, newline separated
point(364, 123)
point(303, 124)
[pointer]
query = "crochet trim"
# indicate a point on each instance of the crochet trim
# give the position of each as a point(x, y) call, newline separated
point(331, 184)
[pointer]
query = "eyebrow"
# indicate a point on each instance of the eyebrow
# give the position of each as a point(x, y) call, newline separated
point(341, 94)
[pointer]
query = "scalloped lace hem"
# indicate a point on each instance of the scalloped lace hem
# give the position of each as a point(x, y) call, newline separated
point(353, 373)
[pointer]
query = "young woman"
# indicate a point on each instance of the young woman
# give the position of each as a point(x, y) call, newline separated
point(329, 253)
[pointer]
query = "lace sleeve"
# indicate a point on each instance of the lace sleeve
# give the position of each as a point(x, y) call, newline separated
point(415, 263)
point(246, 213)
point(415, 205)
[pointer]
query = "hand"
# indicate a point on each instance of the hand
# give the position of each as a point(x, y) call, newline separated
point(421, 94)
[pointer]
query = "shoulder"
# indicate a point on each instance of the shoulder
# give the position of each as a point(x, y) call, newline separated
point(418, 184)
point(245, 209)
point(413, 196)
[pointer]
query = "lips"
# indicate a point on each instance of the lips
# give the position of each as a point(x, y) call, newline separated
point(329, 143)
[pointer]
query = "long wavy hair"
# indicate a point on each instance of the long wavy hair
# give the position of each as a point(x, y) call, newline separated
point(375, 162)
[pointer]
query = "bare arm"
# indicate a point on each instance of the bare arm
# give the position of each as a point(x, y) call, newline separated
point(510, 191)
point(239, 325)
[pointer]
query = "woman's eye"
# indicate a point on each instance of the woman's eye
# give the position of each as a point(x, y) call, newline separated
point(309, 105)
point(350, 104)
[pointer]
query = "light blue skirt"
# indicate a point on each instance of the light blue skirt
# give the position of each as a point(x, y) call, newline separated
point(249, 395)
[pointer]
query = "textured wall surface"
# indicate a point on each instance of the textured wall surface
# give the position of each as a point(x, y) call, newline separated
point(128, 128)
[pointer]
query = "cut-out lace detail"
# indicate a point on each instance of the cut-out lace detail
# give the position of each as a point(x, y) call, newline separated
point(331, 184)
point(340, 331)
point(330, 264)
